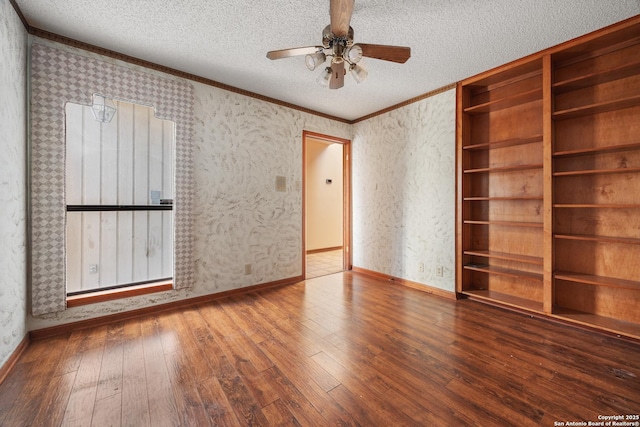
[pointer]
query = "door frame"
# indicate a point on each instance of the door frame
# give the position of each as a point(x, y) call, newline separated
point(346, 197)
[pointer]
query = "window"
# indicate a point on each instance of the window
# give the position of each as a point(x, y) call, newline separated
point(119, 187)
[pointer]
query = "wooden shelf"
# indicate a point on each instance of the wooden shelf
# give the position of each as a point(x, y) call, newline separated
point(490, 199)
point(506, 223)
point(505, 256)
point(505, 299)
point(595, 206)
point(617, 73)
point(500, 271)
point(513, 168)
point(597, 171)
point(597, 150)
point(598, 239)
point(503, 144)
point(590, 108)
point(506, 102)
point(597, 280)
point(618, 327)
point(600, 107)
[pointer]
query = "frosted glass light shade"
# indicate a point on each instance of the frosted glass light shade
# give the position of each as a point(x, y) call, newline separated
point(324, 78)
point(353, 54)
point(103, 109)
point(358, 73)
point(314, 59)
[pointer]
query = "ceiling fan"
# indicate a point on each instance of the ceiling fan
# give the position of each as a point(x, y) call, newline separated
point(337, 44)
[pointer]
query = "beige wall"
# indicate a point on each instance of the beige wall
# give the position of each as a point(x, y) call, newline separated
point(404, 192)
point(323, 201)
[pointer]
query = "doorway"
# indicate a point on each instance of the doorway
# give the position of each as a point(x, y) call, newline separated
point(326, 204)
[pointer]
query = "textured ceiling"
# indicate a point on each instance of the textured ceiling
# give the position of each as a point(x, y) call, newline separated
point(226, 40)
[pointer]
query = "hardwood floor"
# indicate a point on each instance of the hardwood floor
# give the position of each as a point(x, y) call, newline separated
point(344, 349)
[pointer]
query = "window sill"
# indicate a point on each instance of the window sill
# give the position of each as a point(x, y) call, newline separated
point(114, 294)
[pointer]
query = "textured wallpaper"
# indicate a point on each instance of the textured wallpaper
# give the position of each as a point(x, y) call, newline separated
point(13, 140)
point(404, 192)
point(58, 77)
point(241, 144)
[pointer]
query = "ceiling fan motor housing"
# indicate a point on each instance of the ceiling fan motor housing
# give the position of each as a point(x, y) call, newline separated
point(329, 39)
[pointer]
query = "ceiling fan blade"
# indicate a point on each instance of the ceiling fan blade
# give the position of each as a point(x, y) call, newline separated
point(398, 54)
point(296, 51)
point(337, 75)
point(340, 12)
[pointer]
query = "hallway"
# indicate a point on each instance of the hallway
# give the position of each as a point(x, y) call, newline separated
point(323, 263)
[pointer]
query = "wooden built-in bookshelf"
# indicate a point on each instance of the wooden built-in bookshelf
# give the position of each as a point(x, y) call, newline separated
point(548, 169)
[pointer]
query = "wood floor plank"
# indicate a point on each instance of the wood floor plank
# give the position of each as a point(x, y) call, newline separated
point(242, 352)
point(357, 391)
point(310, 380)
point(188, 403)
point(234, 337)
point(278, 414)
point(162, 404)
point(345, 349)
point(135, 402)
point(298, 403)
point(243, 401)
point(108, 411)
point(190, 410)
point(218, 408)
point(360, 411)
point(78, 342)
point(82, 399)
point(243, 314)
point(27, 391)
point(54, 402)
point(239, 380)
point(299, 365)
point(11, 388)
point(110, 380)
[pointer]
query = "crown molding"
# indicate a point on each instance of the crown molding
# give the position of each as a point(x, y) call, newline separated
point(405, 103)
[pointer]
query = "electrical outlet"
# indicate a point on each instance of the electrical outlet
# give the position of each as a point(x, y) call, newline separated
point(93, 268)
point(439, 271)
point(421, 267)
point(247, 269)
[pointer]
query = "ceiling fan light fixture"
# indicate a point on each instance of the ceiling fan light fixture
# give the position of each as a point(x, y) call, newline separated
point(314, 59)
point(353, 54)
point(324, 78)
point(359, 74)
